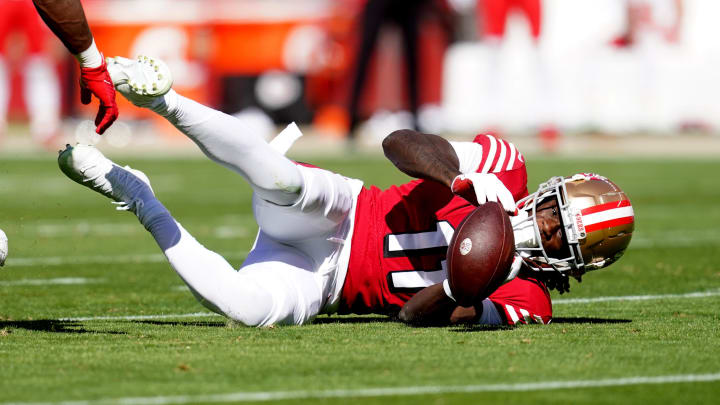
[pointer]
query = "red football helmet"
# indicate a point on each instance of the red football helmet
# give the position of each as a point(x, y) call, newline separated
point(597, 220)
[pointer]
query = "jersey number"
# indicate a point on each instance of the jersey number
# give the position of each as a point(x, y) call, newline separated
point(418, 244)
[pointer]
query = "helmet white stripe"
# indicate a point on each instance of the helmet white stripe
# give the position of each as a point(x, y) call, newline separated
point(607, 215)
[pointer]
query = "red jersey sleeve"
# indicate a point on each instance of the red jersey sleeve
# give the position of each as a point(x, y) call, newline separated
point(504, 160)
point(523, 300)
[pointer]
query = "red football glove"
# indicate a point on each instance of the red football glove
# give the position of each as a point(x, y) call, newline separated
point(97, 81)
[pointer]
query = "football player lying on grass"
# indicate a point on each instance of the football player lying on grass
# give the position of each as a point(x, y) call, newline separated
point(326, 244)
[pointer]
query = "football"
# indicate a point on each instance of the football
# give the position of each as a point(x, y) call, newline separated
point(3, 247)
point(480, 254)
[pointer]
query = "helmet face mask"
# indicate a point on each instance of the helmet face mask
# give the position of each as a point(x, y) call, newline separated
point(596, 220)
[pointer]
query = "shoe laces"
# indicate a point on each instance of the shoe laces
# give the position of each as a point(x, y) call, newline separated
point(127, 189)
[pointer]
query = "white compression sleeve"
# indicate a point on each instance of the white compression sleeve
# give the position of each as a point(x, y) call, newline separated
point(224, 139)
point(469, 155)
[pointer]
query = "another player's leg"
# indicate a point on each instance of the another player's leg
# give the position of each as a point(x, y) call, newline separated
point(146, 83)
point(4, 96)
point(283, 291)
point(41, 81)
point(373, 16)
point(42, 96)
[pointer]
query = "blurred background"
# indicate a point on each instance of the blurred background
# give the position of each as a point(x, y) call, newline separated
point(553, 75)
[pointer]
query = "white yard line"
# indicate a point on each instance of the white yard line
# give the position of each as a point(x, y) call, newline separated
point(389, 391)
point(99, 259)
point(51, 281)
point(86, 228)
point(697, 294)
point(65, 260)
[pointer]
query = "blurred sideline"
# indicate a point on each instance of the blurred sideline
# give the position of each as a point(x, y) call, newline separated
point(139, 140)
point(561, 78)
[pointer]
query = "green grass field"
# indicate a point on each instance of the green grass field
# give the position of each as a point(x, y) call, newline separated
point(91, 312)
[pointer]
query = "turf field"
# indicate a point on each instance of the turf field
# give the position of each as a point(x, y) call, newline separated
point(91, 312)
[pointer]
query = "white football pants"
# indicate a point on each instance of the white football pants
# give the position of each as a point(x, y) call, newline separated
point(297, 266)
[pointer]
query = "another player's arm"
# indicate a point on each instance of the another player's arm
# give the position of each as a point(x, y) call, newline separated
point(66, 19)
point(423, 156)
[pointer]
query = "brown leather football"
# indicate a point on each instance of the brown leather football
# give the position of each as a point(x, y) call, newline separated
point(480, 254)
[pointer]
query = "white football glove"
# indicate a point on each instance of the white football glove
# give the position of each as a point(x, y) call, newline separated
point(479, 188)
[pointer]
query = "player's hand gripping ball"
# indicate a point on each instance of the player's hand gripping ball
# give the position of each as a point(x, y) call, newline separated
point(3, 247)
point(480, 254)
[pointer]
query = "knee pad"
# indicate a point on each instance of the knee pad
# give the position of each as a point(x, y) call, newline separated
point(325, 202)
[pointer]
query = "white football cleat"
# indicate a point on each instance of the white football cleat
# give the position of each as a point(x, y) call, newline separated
point(86, 165)
point(140, 80)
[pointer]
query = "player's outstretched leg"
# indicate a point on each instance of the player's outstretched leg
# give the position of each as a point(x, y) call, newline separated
point(250, 297)
point(146, 83)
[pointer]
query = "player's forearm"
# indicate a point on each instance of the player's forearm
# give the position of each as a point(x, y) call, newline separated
point(430, 306)
point(465, 315)
point(421, 155)
point(66, 19)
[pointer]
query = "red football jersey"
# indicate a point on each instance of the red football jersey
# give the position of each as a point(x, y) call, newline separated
point(402, 233)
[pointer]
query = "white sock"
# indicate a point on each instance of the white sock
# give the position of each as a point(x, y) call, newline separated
point(226, 140)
